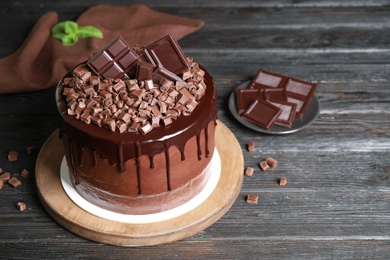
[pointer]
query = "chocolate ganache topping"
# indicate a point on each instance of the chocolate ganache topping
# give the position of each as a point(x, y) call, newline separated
point(144, 110)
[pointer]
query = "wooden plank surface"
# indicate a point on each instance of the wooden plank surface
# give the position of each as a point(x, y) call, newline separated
point(336, 204)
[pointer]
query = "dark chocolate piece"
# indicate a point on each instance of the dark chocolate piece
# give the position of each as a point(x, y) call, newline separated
point(262, 113)
point(274, 94)
point(244, 97)
point(265, 79)
point(300, 93)
point(286, 117)
point(167, 53)
point(116, 60)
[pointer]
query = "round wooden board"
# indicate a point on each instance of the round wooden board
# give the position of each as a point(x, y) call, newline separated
point(64, 211)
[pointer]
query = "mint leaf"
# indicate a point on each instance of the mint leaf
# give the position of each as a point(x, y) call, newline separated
point(69, 32)
point(90, 31)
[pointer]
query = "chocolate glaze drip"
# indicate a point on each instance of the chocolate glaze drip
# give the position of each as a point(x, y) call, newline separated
point(118, 148)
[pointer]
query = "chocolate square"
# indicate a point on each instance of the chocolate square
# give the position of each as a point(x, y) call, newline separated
point(167, 53)
point(262, 113)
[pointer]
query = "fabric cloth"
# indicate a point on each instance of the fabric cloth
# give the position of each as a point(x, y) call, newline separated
point(41, 61)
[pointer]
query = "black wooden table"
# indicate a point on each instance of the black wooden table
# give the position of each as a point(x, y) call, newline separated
point(336, 203)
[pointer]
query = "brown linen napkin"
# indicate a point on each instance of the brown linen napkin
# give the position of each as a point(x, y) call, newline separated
point(41, 61)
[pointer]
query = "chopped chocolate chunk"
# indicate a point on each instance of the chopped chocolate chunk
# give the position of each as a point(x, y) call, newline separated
point(282, 181)
point(251, 146)
point(272, 163)
point(21, 206)
point(5, 177)
point(264, 165)
point(252, 199)
point(14, 182)
point(249, 171)
point(13, 156)
point(25, 173)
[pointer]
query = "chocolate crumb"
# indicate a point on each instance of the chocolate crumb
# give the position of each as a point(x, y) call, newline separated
point(249, 171)
point(272, 163)
point(21, 206)
point(251, 146)
point(25, 174)
point(282, 181)
point(13, 156)
point(14, 182)
point(264, 165)
point(252, 199)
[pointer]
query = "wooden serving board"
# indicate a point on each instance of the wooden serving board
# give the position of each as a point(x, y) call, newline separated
point(65, 212)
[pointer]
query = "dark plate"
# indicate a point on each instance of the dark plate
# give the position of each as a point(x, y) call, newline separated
point(312, 112)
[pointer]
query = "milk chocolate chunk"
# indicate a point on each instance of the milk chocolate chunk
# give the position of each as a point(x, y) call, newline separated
point(301, 93)
point(249, 171)
point(262, 113)
point(13, 156)
point(265, 79)
point(244, 97)
point(167, 52)
point(144, 70)
point(287, 116)
point(272, 163)
point(21, 206)
point(14, 182)
point(251, 146)
point(116, 60)
point(282, 181)
point(252, 199)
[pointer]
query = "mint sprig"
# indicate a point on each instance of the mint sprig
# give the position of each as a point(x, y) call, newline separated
point(69, 32)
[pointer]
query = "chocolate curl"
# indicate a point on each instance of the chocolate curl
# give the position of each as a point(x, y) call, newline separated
point(41, 61)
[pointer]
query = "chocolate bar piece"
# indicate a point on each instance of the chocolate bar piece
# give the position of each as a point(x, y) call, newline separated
point(244, 97)
point(300, 93)
point(116, 60)
point(262, 113)
point(167, 53)
point(265, 79)
point(286, 117)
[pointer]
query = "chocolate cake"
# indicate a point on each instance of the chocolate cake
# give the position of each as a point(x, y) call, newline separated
point(138, 126)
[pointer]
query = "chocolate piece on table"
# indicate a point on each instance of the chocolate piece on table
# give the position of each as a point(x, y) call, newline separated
point(272, 163)
point(251, 146)
point(15, 182)
point(249, 171)
point(116, 60)
point(300, 93)
point(264, 165)
point(265, 79)
point(282, 181)
point(244, 97)
point(252, 199)
point(287, 116)
point(262, 113)
point(13, 156)
point(167, 52)
point(21, 206)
